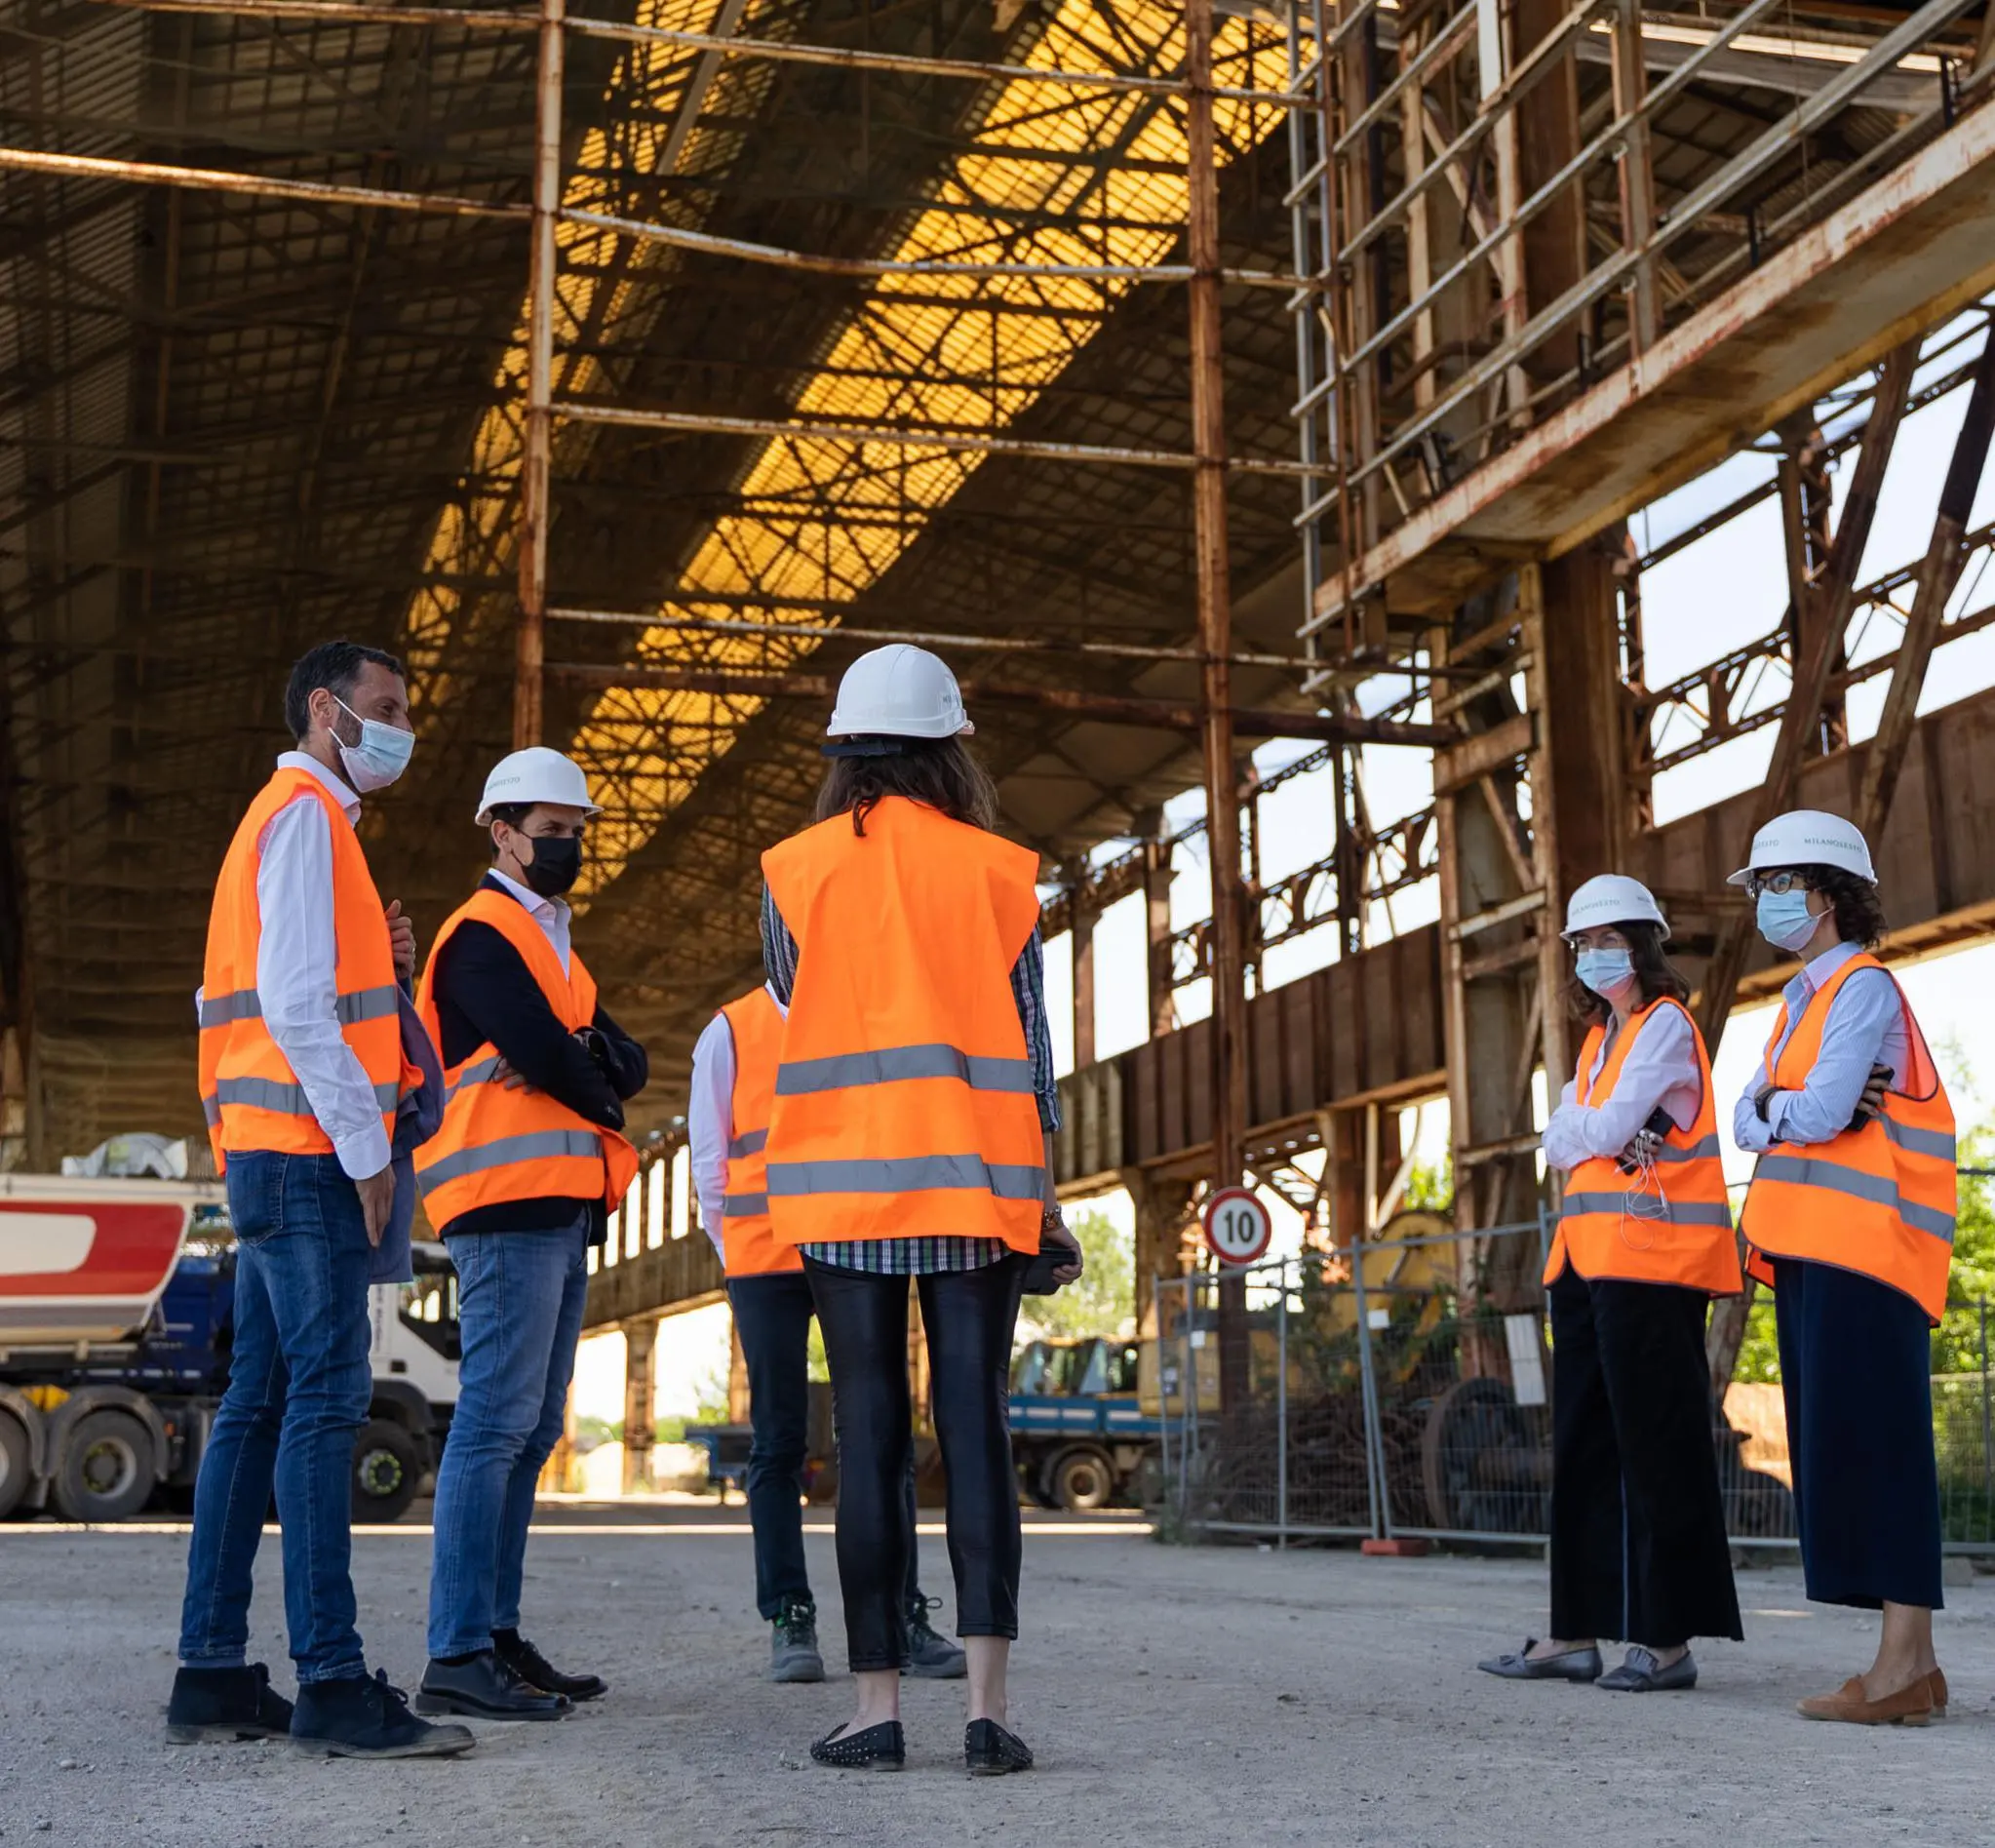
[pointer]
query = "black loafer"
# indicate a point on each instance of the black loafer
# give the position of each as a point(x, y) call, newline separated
point(534, 1668)
point(1576, 1665)
point(210, 1703)
point(485, 1688)
point(989, 1752)
point(881, 1748)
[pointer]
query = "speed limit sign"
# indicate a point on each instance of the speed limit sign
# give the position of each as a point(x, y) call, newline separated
point(1238, 1227)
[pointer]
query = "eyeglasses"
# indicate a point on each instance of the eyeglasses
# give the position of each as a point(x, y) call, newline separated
point(1778, 884)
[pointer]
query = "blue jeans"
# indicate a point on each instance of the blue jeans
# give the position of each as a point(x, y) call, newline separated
point(520, 1307)
point(772, 1316)
point(299, 1389)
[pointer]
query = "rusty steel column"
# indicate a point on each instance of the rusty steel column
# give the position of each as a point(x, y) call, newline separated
point(1215, 635)
point(535, 458)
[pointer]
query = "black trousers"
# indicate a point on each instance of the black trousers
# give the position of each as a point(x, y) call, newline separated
point(968, 1317)
point(1857, 1364)
point(772, 1316)
point(1638, 1547)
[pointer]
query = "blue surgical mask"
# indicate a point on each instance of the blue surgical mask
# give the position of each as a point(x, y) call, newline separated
point(1784, 920)
point(381, 755)
point(1605, 971)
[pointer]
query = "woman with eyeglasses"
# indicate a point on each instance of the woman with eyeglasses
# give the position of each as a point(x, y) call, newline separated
point(1849, 1217)
point(1638, 1545)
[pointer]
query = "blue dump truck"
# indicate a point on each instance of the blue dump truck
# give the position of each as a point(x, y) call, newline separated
point(116, 1315)
point(1081, 1437)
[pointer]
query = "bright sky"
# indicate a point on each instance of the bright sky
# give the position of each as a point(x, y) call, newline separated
point(1726, 589)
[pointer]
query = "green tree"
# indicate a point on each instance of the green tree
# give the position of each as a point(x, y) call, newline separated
point(1104, 1301)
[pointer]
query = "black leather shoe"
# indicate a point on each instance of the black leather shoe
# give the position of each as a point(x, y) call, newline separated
point(989, 1752)
point(209, 1703)
point(358, 1718)
point(485, 1688)
point(534, 1668)
point(881, 1748)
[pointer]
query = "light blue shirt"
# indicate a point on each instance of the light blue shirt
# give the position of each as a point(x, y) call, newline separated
point(1865, 1027)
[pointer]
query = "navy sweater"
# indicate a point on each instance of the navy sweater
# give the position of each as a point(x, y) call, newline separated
point(484, 992)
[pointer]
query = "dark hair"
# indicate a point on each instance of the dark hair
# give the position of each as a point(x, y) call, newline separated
point(1859, 912)
point(512, 813)
point(938, 771)
point(334, 666)
point(1655, 975)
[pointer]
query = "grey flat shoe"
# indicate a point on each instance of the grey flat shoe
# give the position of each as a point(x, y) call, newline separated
point(1641, 1673)
point(1576, 1665)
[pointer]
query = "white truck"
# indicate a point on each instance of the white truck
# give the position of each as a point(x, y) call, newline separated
point(116, 1312)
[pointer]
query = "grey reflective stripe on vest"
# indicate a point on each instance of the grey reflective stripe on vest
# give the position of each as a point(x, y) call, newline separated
point(1646, 1206)
point(288, 1100)
point(218, 1011)
point(365, 1003)
point(743, 1205)
point(210, 1109)
point(908, 1175)
point(752, 1143)
point(1937, 1143)
point(540, 1145)
point(1801, 1170)
point(845, 1071)
point(1705, 1150)
point(477, 1073)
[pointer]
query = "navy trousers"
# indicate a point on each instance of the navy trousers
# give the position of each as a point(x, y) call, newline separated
point(1856, 1366)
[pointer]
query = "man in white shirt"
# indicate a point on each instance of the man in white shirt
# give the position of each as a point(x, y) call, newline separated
point(302, 1071)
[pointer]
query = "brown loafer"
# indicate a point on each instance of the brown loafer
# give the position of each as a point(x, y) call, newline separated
point(1936, 1682)
point(1909, 1706)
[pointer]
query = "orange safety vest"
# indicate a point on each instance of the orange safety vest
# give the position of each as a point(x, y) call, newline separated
point(751, 1247)
point(1879, 1201)
point(499, 1143)
point(1675, 1228)
point(904, 1102)
point(249, 1093)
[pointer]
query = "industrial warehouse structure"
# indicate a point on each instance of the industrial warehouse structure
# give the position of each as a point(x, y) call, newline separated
point(1191, 375)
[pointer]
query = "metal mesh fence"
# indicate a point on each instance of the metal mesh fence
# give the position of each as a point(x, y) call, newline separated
point(1409, 1395)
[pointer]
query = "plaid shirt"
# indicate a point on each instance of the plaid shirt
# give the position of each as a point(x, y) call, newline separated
point(925, 1255)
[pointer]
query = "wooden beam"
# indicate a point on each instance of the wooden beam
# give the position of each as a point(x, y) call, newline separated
point(1832, 594)
point(1938, 572)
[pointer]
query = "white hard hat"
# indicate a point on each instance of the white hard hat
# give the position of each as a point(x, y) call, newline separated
point(899, 691)
point(1612, 898)
point(536, 774)
point(1808, 837)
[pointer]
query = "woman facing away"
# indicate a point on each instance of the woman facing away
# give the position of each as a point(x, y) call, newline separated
point(910, 1137)
point(1638, 1545)
point(1850, 1216)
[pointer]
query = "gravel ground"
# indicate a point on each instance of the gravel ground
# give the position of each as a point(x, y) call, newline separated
point(1174, 1697)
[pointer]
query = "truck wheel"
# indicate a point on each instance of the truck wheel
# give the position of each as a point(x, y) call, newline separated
point(14, 1464)
point(106, 1470)
point(387, 1470)
point(1083, 1479)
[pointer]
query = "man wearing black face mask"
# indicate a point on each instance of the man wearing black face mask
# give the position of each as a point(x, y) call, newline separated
point(518, 1182)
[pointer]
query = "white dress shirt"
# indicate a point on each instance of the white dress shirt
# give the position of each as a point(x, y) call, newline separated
point(297, 955)
point(710, 1119)
point(1660, 1068)
point(1865, 1027)
point(552, 914)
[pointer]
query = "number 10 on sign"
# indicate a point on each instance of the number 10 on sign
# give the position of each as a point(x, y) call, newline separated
point(1238, 1227)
